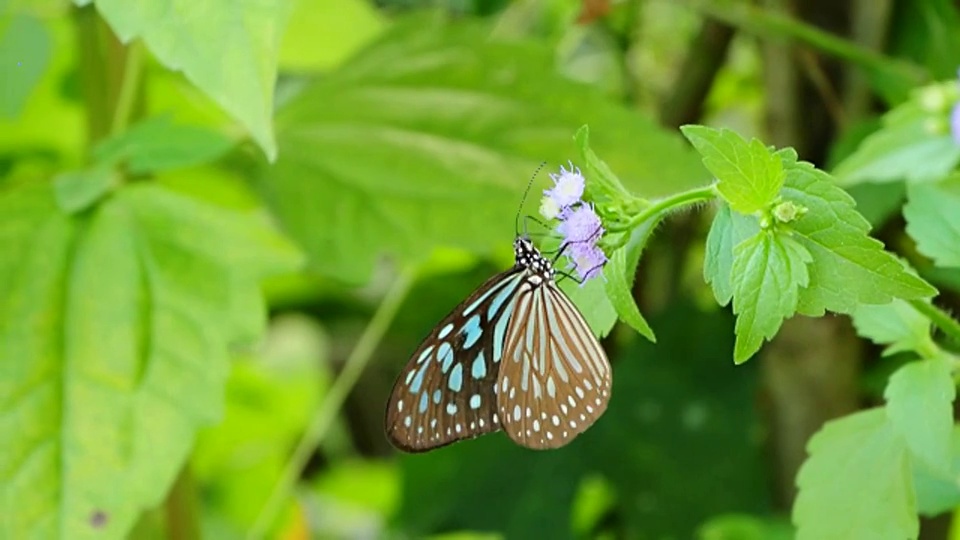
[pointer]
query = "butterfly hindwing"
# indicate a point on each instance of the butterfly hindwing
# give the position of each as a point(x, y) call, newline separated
point(555, 378)
point(446, 392)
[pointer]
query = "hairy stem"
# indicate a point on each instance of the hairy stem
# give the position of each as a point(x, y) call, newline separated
point(683, 198)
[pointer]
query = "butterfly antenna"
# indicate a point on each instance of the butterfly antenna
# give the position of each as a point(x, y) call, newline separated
point(524, 199)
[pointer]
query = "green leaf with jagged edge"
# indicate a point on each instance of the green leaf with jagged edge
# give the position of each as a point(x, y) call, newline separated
point(157, 144)
point(857, 482)
point(749, 175)
point(620, 272)
point(727, 230)
point(389, 158)
point(593, 303)
point(604, 186)
point(768, 272)
point(114, 335)
point(933, 220)
point(849, 268)
point(227, 49)
point(920, 406)
point(898, 325)
point(909, 146)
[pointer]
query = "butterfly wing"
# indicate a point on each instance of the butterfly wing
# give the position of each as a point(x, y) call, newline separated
point(446, 392)
point(555, 379)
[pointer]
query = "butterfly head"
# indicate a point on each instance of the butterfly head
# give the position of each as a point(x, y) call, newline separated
point(528, 256)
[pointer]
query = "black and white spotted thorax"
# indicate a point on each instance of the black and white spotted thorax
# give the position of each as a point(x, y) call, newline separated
point(529, 257)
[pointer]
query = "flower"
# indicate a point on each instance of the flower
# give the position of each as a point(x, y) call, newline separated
point(580, 225)
point(549, 208)
point(588, 260)
point(567, 187)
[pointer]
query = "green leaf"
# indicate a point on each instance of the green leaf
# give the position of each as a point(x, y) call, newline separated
point(157, 145)
point(768, 272)
point(905, 148)
point(228, 49)
point(939, 491)
point(24, 54)
point(920, 406)
point(425, 139)
point(620, 272)
point(933, 220)
point(604, 184)
point(897, 324)
point(857, 482)
point(727, 230)
point(849, 268)
point(76, 191)
point(321, 35)
point(749, 175)
point(114, 335)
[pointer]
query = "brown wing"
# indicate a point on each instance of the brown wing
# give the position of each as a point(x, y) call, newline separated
point(555, 379)
point(445, 393)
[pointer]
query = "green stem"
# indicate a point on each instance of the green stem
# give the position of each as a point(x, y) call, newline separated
point(940, 318)
point(128, 89)
point(326, 414)
point(773, 25)
point(680, 199)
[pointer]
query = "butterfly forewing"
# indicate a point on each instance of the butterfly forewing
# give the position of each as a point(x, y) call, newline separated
point(554, 380)
point(446, 392)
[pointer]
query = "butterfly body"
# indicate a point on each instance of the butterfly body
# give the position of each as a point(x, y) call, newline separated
point(515, 355)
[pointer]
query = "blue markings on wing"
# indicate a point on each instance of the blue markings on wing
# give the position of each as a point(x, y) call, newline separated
point(479, 367)
point(436, 397)
point(500, 329)
point(455, 383)
point(426, 353)
point(445, 355)
point(475, 401)
point(445, 331)
point(472, 330)
point(418, 378)
point(502, 297)
point(423, 403)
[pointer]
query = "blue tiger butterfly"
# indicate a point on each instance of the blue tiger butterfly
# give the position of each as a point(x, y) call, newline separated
point(516, 355)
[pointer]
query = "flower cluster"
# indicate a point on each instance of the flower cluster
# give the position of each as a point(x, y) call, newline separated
point(579, 226)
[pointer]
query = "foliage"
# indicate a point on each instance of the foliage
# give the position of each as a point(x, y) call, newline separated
point(214, 214)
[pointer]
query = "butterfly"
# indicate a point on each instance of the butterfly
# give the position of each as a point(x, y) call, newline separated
point(516, 355)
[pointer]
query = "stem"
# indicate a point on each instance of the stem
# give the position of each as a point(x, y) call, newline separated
point(128, 89)
point(326, 413)
point(940, 318)
point(680, 199)
point(767, 23)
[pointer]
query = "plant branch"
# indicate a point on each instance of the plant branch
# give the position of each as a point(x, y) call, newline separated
point(662, 205)
point(132, 69)
point(326, 413)
point(940, 318)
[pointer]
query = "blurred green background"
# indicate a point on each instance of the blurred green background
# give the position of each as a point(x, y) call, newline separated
point(389, 158)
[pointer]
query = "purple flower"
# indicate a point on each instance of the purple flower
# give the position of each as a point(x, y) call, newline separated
point(580, 225)
point(567, 187)
point(955, 122)
point(588, 260)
